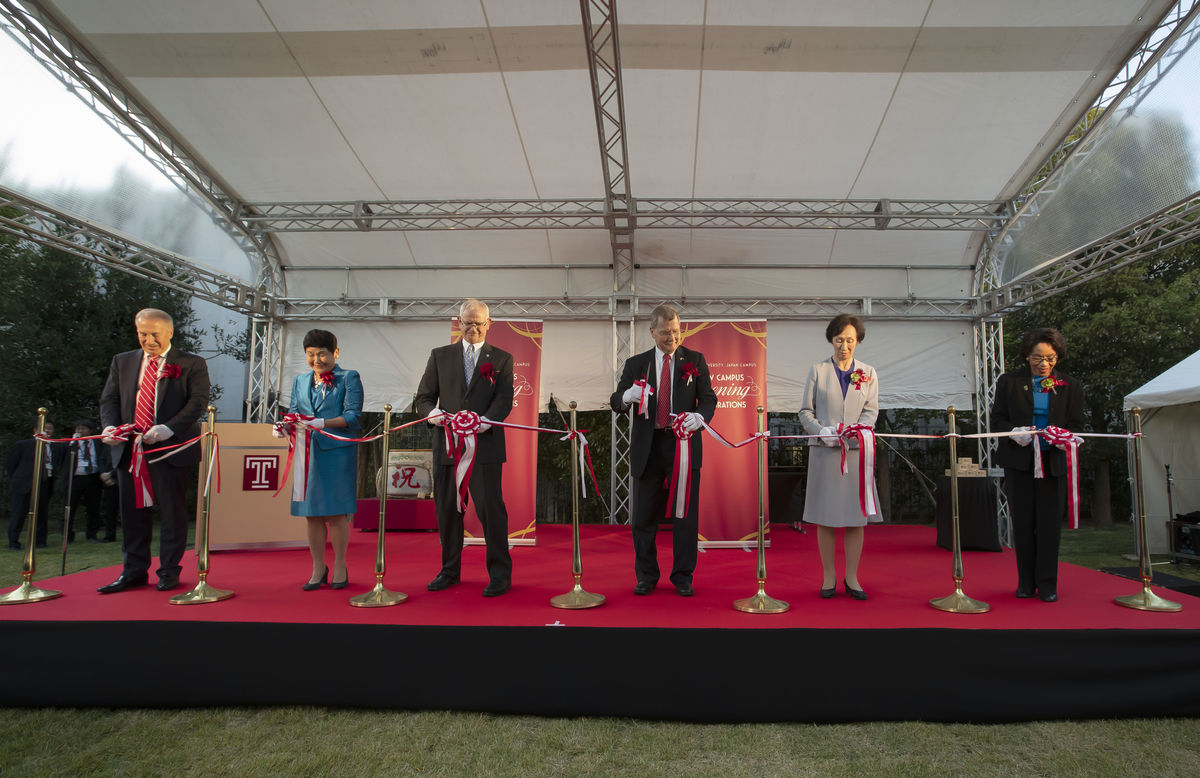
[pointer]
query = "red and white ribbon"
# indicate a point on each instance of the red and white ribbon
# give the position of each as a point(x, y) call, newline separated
point(1068, 442)
point(585, 460)
point(292, 425)
point(462, 427)
point(680, 491)
point(865, 435)
point(644, 403)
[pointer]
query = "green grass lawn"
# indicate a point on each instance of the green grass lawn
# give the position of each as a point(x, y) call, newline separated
point(321, 741)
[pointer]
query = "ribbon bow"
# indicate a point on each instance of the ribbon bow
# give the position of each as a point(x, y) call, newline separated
point(462, 427)
point(865, 435)
point(644, 403)
point(1069, 442)
point(680, 492)
point(290, 425)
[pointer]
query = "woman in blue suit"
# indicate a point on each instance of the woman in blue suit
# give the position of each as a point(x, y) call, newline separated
point(334, 398)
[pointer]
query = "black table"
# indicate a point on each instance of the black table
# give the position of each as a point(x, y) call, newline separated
point(978, 530)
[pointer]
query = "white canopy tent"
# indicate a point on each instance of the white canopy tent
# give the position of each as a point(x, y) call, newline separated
point(1170, 405)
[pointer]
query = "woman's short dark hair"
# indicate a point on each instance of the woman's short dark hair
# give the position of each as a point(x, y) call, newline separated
point(320, 339)
point(1051, 337)
point(841, 322)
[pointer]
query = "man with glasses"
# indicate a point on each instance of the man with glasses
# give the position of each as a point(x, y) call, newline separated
point(678, 390)
point(471, 375)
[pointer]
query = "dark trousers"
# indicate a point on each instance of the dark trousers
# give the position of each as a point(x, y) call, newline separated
point(487, 495)
point(110, 509)
point(85, 489)
point(19, 511)
point(137, 525)
point(650, 507)
point(1037, 506)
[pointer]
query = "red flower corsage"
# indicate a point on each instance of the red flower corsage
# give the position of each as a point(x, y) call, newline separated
point(488, 371)
point(688, 370)
point(171, 371)
point(1049, 383)
point(326, 379)
point(858, 378)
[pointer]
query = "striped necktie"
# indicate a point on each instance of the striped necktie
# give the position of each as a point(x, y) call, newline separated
point(143, 415)
point(469, 361)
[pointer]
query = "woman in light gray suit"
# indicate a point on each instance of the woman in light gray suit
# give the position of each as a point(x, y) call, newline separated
point(839, 390)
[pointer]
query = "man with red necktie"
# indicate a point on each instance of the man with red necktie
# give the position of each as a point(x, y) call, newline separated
point(679, 386)
point(163, 392)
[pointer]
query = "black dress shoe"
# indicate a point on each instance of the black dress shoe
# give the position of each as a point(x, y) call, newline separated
point(827, 594)
point(856, 594)
point(342, 584)
point(496, 588)
point(312, 587)
point(123, 583)
point(14, 546)
point(442, 581)
point(684, 589)
point(1024, 593)
point(644, 587)
point(167, 582)
point(1048, 596)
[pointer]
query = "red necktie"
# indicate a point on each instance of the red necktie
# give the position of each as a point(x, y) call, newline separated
point(143, 414)
point(663, 412)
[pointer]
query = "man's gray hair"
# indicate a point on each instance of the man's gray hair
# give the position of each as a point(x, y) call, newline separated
point(472, 304)
point(154, 313)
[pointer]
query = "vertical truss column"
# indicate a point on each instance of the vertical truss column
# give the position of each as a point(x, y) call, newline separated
point(989, 364)
point(604, 68)
point(265, 369)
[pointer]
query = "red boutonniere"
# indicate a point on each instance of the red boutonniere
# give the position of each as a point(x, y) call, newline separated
point(325, 379)
point(858, 378)
point(171, 371)
point(488, 371)
point(688, 370)
point(1049, 383)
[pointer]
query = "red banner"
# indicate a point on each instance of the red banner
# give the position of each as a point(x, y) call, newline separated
point(736, 353)
point(522, 339)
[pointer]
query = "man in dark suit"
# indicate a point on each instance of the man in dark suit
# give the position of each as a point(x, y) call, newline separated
point(679, 385)
point(19, 468)
point(471, 375)
point(163, 392)
point(89, 460)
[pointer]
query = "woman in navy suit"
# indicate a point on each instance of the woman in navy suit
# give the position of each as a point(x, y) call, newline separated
point(334, 398)
point(1031, 398)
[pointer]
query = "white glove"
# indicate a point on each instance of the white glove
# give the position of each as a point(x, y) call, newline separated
point(485, 424)
point(316, 424)
point(275, 431)
point(829, 437)
point(435, 417)
point(1023, 439)
point(692, 421)
point(633, 395)
point(107, 438)
point(156, 433)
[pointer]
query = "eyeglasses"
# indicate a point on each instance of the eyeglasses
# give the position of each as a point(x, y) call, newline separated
point(473, 325)
point(1043, 360)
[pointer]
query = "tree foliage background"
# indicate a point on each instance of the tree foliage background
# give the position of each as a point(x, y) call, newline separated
point(63, 319)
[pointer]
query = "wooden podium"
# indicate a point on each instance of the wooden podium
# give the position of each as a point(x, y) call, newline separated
point(244, 514)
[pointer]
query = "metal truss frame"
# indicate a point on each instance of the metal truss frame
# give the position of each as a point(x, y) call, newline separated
point(989, 364)
point(41, 224)
point(265, 369)
point(41, 34)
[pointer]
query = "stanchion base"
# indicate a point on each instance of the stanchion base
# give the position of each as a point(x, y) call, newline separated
point(577, 599)
point(960, 603)
point(27, 592)
point(761, 603)
point(201, 594)
point(1146, 600)
point(378, 597)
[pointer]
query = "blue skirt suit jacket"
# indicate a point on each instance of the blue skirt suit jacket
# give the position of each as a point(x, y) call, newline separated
point(332, 464)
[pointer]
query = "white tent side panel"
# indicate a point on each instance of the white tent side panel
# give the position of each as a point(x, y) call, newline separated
point(920, 364)
point(1171, 437)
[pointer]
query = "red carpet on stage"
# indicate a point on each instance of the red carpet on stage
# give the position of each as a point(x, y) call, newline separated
point(893, 657)
point(902, 570)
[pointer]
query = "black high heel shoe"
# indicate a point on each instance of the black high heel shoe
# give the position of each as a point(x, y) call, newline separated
point(857, 594)
point(309, 587)
point(827, 594)
point(342, 584)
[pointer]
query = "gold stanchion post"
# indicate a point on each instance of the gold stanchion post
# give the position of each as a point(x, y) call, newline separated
point(380, 596)
point(203, 592)
point(761, 602)
point(957, 602)
point(1145, 600)
point(577, 598)
point(26, 591)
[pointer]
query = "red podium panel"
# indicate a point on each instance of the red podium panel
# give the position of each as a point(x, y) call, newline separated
point(400, 514)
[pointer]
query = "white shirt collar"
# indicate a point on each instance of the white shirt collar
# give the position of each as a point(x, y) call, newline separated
point(478, 346)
